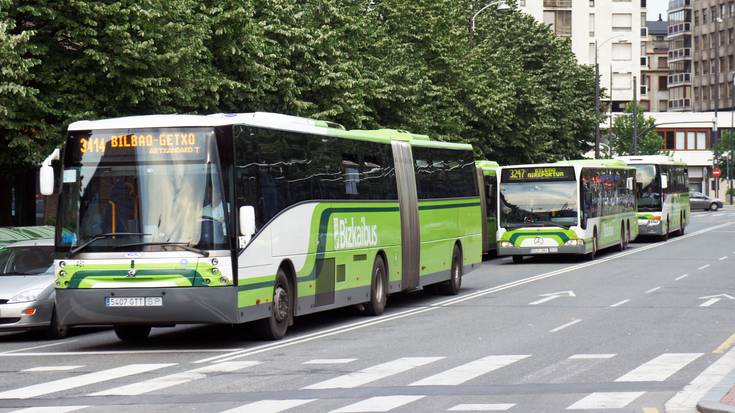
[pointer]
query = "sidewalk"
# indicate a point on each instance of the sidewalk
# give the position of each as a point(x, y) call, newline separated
point(721, 399)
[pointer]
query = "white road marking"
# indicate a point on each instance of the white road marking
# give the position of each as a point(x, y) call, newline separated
point(591, 356)
point(373, 373)
point(469, 371)
point(245, 352)
point(329, 361)
point(703, 267)
point(50, 409)
point(18, 350)
point(619, 303)
point(158, 383)
point(552, 296)
point(53, 368)
point(723, 258)
point(713, 299)
point(378, 404)
point(681, 277)
point(659, 368)
point(111, 352)
point(652, 290)
point(611, 400)
point(497, 407)
point(269, 406)
point(68, 383)
point(563, 326)
point(686, 400)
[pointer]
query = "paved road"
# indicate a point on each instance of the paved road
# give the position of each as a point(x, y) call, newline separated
point(644, 330)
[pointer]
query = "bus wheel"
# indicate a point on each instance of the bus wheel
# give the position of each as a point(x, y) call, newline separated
point(275, 326)
point(517, 259)
point(682, 226)
point(452, 286)
point(623, 244)
point(592, 254)
point(665, 236)
point(132, 333)
point(378, 289)
point(56, 330)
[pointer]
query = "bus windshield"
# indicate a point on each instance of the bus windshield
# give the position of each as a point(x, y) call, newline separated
point(649, 197)
point(551, 203)
point(139, 190)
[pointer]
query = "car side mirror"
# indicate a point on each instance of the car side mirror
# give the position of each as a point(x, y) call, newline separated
point(664, 182)
point(247, 220)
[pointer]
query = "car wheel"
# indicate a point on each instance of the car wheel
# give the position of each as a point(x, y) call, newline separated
point(56, 330)
point(714, 207)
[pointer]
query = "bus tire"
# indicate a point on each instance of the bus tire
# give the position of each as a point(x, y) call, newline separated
point(622, 245)
point(378, 288)
point(275, 326)
point(595, 245)
point(56, 330)
point(665, 236)
point(517, 259)
point(682, 225)
point(132, 333)
point(454, 283)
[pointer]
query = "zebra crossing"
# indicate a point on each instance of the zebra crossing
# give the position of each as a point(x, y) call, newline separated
point(660, 368)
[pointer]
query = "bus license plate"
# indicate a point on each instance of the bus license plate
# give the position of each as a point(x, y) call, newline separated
point(539, 250)
point(133, 301)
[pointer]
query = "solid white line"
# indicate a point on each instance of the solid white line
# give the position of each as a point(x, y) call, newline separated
point(373, 373)
point(681, 277)
point(660, 368)
point(378, 404)
point(79, 381)
point(611, 400)
point(563, 326)
point(171, 380)
point(497, 407)
point(686, 400)
point(653, 289)
point(53, 368)
point(723, 258)
point(110, 352)
point(245, 352)
point(543, 300)
point(469, 371)
point(269, 406)
point(50, 409)
point(703, 267)
point(329, 361)
point(591, 356)
point(619, 303)
point(35, 347)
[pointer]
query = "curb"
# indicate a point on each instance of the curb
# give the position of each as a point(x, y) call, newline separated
point(711, 403)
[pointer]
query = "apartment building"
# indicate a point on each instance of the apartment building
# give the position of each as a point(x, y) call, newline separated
point(713, 22)
point(654, 94)
point(608, 31)
point(680, 60)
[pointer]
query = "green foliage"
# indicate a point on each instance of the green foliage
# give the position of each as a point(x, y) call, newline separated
point(518, 96)
point(724, 150)
point(649, 141)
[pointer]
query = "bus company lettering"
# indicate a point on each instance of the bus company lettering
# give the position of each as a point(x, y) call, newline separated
point(545, 173)
point(348, 234)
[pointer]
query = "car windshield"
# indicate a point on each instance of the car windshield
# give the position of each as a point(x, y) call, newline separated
point(649, 197)
point(31, 260)
point(538, 204)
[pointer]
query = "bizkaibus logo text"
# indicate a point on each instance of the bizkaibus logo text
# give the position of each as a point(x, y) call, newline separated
point(351, 234)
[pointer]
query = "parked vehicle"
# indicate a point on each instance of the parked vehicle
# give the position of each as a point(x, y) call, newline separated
point(27, 294)
point(699, 200)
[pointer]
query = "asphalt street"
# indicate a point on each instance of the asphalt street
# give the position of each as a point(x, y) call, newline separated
point(649, 329)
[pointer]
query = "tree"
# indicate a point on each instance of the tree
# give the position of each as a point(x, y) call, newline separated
point(649, 141)
point(724, 150)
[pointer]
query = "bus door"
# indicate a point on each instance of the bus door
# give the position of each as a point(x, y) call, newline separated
point(483, 208)
point(407, 198)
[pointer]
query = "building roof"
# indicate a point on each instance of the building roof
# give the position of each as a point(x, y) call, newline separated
point(657, 27)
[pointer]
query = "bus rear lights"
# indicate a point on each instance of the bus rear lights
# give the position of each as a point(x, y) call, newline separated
point(575, 242)
point(29, 311)
point(506, 244)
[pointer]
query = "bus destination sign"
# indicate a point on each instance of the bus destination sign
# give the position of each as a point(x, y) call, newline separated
point(531, 174)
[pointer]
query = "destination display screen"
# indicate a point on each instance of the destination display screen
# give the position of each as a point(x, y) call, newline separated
point(531, 174)
point(116, 146)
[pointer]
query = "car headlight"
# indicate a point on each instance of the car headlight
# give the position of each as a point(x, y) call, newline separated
point(505, 244)
point(27, 295)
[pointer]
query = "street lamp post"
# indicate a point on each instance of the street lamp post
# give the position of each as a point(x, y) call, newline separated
point(634, 150)
point(597, 94)
point(502, 5)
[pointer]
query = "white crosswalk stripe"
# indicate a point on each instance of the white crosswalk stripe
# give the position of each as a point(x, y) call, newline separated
point(660, 368)
point(378, 404)
point(373, 373)
point(269, 406)
point(50, 409)
point(469, 371)
point(74, 382)
point(171, 380)
point(495, 407)
point(611, 400)
point(52, 368)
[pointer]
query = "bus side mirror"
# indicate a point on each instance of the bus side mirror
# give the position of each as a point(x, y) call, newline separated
point(247, 220)
point(664, 181)
point(46, 175)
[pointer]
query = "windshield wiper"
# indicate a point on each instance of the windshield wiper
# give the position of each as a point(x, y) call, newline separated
point(98, 237)
point(183, 245)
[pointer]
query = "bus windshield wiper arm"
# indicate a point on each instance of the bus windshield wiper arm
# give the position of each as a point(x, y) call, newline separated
point(183, 245)
point(98, 237)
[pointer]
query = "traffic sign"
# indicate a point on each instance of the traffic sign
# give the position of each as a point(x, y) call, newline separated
point(716, 172)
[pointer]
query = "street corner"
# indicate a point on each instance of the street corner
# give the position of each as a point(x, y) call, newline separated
point(721, 398)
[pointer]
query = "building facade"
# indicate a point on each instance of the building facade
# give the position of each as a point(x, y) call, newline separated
point(680, 55)
point(605, 31)
point(654, 94)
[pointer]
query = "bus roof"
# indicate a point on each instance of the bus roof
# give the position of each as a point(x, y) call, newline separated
point(265, 120)
point(650, 159)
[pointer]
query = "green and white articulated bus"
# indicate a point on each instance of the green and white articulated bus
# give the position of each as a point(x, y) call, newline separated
point(663, 194)
point(568, 207)
point(230, 218)
point(487, 179)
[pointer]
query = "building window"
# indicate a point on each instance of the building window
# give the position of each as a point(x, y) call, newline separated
point(592, 52)
point(696, 68)
point(680, 141)
point(592, 24)
point(592, 3)
point(621, 81)
point(663, 62)
point(695, 20)
point(704, 16)
point(662, 105)
point(729, 36)
point(622, 22)
point(722, 37)
point(560, 21)
point(705, 68)
point(522, 3)
point(663, 83)
point(622, 51)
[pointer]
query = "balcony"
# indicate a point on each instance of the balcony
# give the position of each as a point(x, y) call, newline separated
point(679, 79)
point(558, 4)
point(684, 53)
point(675, 5)
point(680, 104)
point(679, 29)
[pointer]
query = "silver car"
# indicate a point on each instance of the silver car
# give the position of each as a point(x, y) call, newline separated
point(698, 200)
point(27, 294)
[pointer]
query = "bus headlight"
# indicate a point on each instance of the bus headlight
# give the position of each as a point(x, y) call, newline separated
point(575, 243)
point(505, 244)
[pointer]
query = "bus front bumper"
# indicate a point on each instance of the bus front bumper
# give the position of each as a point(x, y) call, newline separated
point(562, 249)
point(160, 306)
point(652, 227)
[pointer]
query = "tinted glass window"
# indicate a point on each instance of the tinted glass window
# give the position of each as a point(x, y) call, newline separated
point(26, 260)
point(444, 173)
